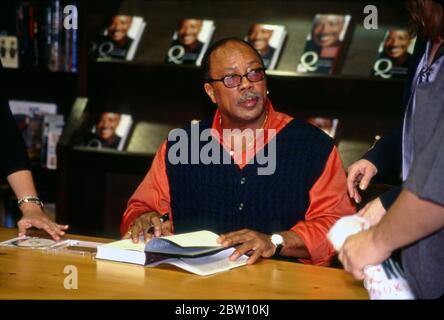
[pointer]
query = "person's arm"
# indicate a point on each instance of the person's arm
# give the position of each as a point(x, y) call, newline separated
point(386, 155)
point(15, 166)
point(329, 202)
point(33, 215)
point(408, 220)
point(12, 147)
point(152, 195)
point(383, 163)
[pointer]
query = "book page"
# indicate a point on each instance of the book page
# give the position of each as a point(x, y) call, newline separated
point(202, 238)
point(206, 265)
point(126, 244)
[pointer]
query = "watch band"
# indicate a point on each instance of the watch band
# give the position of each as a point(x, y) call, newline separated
point(30, 199)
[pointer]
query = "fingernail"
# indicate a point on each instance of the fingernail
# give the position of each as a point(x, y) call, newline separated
point(362, 186)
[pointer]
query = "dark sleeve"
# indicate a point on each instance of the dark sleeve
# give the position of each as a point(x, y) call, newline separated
point(13, 155)
point(386, 155)
point(389, 197)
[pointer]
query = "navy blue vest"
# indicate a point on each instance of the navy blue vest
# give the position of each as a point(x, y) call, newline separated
point(224, 198)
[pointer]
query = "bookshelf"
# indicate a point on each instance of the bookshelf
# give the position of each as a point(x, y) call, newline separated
point(93, 186)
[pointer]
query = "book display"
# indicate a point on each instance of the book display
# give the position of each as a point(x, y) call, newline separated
point(30, 116)
point(268, 41)
point(327, 125)
point(394, 55)
point(324, 44)
point(110, 131)
point(121, 38)
point(190, 41)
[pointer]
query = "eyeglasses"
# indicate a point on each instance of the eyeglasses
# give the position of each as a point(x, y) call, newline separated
point(234, 80)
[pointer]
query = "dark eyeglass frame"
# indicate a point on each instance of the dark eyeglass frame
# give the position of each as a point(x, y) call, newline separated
point(248, 74)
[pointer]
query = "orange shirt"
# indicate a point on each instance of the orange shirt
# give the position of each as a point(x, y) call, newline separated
point(329, 200)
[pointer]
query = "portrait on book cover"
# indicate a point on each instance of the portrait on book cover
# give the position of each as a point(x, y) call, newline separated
point(259, 36)
point(119, 37)
point(109, 131)
point(267, 40)
point(324, 43)
point(189, 40)
point(327, 125)
point(395, 54)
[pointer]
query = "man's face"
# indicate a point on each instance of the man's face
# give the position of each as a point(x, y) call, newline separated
point(327, 30)
point(396, 44)
point(189, 30)
point(259, 37)
point(241, 106)
point(119, 27)
point(107, 125)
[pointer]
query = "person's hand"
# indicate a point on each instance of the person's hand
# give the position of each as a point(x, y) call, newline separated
point(257, 242)
point(38, 219)
point(359, 251)
point(373, 212)
point(148, 224)
point(360, 173)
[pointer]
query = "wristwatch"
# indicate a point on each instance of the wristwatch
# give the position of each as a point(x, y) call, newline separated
point(278, 241)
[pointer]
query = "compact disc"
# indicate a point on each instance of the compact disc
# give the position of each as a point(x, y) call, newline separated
point(36, 243)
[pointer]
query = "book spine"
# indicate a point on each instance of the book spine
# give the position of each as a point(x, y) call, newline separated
point(54, 64)
point(74, 43)
point(48, 28)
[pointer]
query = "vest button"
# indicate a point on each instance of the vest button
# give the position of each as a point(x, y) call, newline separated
point(242, 181)
point(241, 206)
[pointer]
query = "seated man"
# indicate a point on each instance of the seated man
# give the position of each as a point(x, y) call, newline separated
point(297, 198)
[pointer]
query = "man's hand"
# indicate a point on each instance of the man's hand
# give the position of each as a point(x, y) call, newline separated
point(38, 219)
point(373, 211)
point(250, 241)
point(147, 225)
point(360, 250)
point(360, 173)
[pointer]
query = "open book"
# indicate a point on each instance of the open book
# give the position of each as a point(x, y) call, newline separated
point(196, 252)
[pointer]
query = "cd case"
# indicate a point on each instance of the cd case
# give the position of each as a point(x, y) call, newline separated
point(67, 245)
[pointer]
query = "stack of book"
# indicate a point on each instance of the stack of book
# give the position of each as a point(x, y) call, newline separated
point(41, 128)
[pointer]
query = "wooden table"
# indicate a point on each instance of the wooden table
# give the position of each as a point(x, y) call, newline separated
point(36, 274)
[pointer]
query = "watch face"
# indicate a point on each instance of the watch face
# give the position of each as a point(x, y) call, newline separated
point(277, 239)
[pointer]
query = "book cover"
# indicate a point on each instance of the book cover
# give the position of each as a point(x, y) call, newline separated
point(190, 41)
point(268, 40)
point(52, 130)
point(121, 38)
point(324, 44)
point(9, 51)
point(110, 131)
point(29, 116)
point(394, 55)
point(327, 125)
point(196, 252)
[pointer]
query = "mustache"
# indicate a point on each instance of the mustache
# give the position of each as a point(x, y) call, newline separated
point(247, 96)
